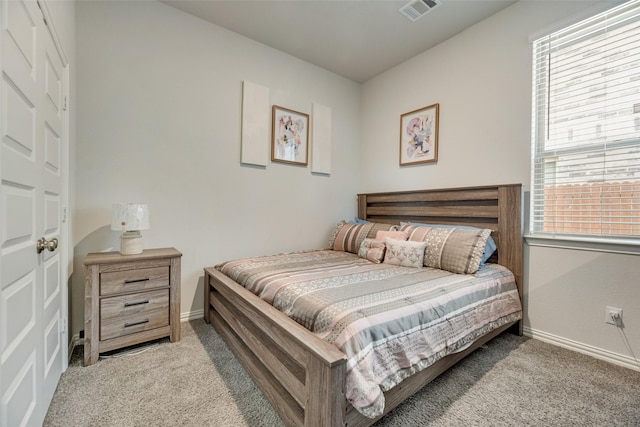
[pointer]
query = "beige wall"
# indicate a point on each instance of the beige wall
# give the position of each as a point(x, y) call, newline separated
point(159, 121)
point(482, 80)
point(159, 105)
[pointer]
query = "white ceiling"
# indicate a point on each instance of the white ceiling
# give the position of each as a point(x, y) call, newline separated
point(357, 39)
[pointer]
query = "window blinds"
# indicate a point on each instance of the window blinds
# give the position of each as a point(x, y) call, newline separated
point(586, 127)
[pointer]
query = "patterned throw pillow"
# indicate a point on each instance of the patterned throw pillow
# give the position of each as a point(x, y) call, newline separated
point(405, 253)
point(348, 237)
point(489, 248)
point(372, 249)
point(452, 249)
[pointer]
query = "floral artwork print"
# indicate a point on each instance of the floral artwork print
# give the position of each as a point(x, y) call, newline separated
point(419, 136)
point(290, 136)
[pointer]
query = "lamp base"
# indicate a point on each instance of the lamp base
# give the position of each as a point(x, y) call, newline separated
point(131, 243)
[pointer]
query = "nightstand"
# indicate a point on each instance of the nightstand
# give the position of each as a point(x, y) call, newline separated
point(130, 299)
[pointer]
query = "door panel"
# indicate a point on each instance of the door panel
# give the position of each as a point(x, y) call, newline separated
point(18, 303)
point(51, 281)
point(53, 81)
point(19, 122)
point(18, 204)
point(19, 135)
point(20, 18)
point(52, 151)
point(20, 400)
point(32, 132)
point(52, 346)
point(51, 213)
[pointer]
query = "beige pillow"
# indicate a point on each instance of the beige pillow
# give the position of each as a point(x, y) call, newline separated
point(372, 249)
point(452, 249)
point(404, 253)
point(393, 234)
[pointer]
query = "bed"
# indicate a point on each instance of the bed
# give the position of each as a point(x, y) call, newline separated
point(304, 376)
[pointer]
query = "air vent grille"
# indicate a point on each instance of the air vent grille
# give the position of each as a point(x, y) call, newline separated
point(418, 8)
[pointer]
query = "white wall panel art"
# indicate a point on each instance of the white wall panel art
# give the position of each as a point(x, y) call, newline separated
point(321, 139)
point(255, 124)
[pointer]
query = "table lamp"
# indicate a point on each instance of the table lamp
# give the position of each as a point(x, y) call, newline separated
point(130, 218)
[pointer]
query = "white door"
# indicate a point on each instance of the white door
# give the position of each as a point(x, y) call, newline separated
point(33, 141)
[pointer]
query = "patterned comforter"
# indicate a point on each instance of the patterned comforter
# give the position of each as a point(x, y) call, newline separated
point(390, 321)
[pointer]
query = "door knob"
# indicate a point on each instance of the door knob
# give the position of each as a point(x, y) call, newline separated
point(43, 244)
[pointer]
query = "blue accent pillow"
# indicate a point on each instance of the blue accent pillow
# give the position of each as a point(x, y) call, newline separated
point(357, 220)
point(489, 248)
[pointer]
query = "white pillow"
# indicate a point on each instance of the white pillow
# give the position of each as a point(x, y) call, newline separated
point(404, 253)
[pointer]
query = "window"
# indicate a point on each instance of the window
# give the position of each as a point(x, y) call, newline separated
point(585, 135)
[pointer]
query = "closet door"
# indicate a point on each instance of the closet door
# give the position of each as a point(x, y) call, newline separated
point(33, 140)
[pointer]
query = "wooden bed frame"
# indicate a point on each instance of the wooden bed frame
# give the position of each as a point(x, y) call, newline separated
point(301, 375)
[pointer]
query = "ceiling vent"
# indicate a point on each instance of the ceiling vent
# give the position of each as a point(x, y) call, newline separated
point(418, 8)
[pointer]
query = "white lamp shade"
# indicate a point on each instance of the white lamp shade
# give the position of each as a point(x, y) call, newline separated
point(130, 217)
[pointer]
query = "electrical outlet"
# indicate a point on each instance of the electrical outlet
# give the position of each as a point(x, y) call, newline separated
point(613, 316)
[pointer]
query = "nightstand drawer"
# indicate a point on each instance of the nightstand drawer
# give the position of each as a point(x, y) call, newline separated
point(134, 280)
point(128, 314)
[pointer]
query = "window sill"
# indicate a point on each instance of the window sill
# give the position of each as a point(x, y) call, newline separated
point(583, 243)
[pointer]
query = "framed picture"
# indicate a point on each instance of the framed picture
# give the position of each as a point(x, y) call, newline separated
point(419, 136)
point(289, 136)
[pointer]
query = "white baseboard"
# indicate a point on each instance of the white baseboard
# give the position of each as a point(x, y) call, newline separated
point(191, 315)
point(75, 340)
point(589, 350)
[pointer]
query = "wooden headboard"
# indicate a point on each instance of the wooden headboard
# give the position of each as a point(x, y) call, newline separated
point(497, 207)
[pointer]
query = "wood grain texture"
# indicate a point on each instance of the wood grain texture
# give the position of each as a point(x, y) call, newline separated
point(130, 299)
point(281, 366)
point(277, 352)
point(289, 411)
point(326, 401)
point(174, 298)
point(127, 340)
point(132, 313)
point(136, 279)
point(91, 315)
point(122, 261)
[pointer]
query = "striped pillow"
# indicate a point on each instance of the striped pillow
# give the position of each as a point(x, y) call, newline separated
point(452, 249)
point(348, 237)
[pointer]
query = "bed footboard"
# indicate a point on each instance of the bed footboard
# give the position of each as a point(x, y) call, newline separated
point(301, 375)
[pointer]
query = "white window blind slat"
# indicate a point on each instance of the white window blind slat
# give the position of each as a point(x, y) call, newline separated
point(586, 127)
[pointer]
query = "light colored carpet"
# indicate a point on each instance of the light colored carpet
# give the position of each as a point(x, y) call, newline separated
point(512, 381)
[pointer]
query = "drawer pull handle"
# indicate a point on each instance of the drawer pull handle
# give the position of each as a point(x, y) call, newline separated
point(141, 322)
point(144, 279)
point(131, 304)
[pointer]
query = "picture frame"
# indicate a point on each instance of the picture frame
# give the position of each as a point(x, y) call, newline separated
point(289, 136)
point(419, 135)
